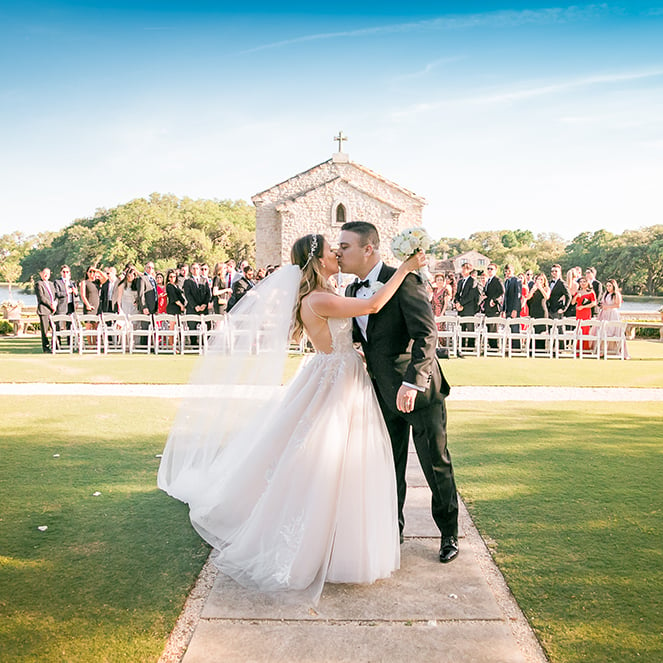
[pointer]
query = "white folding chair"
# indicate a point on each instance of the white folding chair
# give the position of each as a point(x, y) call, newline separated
point(447, 333)
point(469, 329)
point(113, 332)
point(215, 328)
point(166, 333)
point(494, 329)
point(564, 337)
point(613, 337)
point(588, 338)
point(192, 330)
point(89, 339)
point(140, 333)
point(541, 337)
point(65, 334)
point(518, 337)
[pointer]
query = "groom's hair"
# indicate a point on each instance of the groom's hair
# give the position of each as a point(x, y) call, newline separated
point(367, 232)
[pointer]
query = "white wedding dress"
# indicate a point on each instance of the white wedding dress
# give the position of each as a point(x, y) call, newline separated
point(306, 495)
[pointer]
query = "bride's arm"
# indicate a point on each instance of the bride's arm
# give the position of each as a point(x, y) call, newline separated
point(333, 306)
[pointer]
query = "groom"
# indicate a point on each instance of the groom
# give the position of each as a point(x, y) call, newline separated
point(399, 344)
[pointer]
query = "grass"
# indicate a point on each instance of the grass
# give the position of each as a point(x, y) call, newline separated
point(570, 497)
point(19, 362)
point(108, 578)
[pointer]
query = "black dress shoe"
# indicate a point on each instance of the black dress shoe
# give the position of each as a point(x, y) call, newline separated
point(448, 549)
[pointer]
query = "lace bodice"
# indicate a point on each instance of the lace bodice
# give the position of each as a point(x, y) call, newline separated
point(341, 335)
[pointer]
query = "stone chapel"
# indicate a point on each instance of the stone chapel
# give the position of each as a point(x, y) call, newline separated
point(322, 199)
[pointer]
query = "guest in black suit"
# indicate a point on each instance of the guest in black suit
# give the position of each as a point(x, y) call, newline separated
point(466, 300)
point(241, 286)
point(46, 306)
point(494, 294)
point(399, 345)
point(559, 298)
point(107, 289)
point(195, 295)
point(513, 292)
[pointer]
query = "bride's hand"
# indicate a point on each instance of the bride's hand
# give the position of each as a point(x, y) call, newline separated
point(415, 262)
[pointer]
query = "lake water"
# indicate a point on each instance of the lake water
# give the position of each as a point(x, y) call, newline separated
point(644, 304)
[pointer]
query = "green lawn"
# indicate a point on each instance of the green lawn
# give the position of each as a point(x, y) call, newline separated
point(108, 578)
point(19, 364)
point(571, 496)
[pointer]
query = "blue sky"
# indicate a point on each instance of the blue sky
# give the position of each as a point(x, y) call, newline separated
point(502, 115)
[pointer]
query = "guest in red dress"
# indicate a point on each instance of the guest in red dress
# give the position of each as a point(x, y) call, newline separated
point(585, 301)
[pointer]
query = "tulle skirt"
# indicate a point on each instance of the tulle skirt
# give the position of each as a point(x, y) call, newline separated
point(306, 494)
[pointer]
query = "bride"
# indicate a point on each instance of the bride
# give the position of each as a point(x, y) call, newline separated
point(302, 491)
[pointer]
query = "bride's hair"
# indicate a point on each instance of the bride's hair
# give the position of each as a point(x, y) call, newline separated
point(306, 253)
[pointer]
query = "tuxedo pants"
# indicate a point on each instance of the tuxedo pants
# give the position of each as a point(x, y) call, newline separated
point(429, 434)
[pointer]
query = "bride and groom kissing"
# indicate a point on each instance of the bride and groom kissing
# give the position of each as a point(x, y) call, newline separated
point(310, 489)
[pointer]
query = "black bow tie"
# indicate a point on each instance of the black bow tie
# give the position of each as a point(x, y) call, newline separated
point(362, 284)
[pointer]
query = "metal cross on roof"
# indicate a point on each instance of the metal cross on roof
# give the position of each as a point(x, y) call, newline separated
point(340, 138)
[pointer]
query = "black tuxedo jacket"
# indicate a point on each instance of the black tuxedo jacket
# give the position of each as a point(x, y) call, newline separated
point(513, 291)
point(402, 338)
point(45, 306)
point(240, 288)
point(467, 295)
point(559, 299)
point(493, 291)
point(107, 305)
point(195, 296)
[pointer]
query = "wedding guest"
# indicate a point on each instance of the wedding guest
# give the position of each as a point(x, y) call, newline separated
point(537, 301)
point(220, 290)
point(230, 272)
point(529, 279)
point(439, 301)
point(494, 292)
point(91, 291)
point(175, 295)
point(596, 286)
point(585, 301)
point(66, 292)
point(572, 285)
point(107, 289)
point(146, 286)
point(261, 274)
point(609, 309)
point(182, 274)
point(242, 286)
point(239, 273)
point(46, 306)
point(524, 308)
point(162, 297)
point(559, 297)
point(466, 300)
point(125, 295)
point(195, 293)
point(206, 287)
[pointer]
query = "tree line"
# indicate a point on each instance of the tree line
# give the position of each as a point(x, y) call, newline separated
point(167, 230)
point(633, 258)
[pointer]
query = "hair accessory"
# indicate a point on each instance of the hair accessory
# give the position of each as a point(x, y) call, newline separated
point(313, 249)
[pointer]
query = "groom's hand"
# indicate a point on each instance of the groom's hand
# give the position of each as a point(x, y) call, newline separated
point(405, 398)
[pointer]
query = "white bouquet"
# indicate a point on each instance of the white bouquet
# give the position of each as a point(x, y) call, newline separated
point(408, 242)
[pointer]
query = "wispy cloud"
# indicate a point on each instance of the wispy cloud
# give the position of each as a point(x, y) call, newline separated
point(429, 67)
point(529, 91)
point(496, 19)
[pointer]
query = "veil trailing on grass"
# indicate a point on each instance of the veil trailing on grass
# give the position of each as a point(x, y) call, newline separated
point(234, 386)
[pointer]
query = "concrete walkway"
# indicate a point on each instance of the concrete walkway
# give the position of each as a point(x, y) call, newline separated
point(460, 612)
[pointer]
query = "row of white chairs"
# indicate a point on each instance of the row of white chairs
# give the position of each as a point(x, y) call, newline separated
point(532, 337)
point(118, 333)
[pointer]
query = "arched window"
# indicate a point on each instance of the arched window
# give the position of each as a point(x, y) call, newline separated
point(340, 214)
